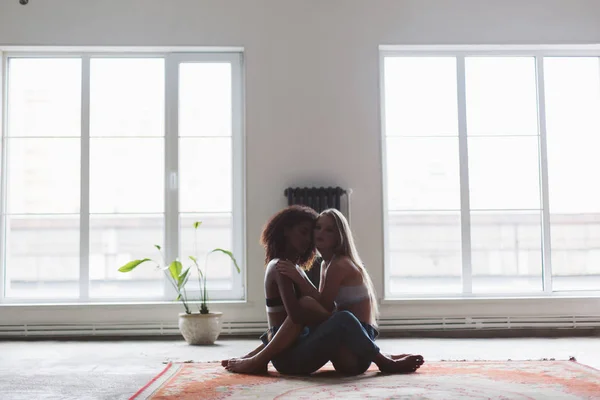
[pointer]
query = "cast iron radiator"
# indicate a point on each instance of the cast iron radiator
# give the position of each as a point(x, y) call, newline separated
point(318, 198)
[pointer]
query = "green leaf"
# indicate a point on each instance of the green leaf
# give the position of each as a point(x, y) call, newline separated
point(195, 260)
point(183, 278)
point(230, 254)
point(197, 224)
point(178, 297)
point(157, 246)
point(132, 264)
point(187, 278)
point(175, 270)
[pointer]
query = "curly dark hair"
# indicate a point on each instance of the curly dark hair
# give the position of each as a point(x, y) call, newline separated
point(273, 238)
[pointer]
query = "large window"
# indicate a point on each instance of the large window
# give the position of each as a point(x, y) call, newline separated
point(105, 156)
point(489, 173)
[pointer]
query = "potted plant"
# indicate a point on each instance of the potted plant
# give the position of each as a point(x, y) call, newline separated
point(204, 326)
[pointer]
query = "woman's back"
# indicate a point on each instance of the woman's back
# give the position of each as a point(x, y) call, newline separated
point(276, 313)
point(276, 309)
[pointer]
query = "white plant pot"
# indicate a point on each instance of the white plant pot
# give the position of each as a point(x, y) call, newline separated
point(199, 328)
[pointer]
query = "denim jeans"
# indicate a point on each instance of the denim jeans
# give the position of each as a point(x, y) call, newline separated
point(316, 346)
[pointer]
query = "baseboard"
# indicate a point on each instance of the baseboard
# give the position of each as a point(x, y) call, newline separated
point(399, 327)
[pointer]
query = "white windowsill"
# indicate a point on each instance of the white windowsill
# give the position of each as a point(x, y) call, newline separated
point(233, 303)
point(487, 298)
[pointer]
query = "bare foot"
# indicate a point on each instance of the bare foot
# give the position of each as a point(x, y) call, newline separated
point(404, 365)
point(226, 361)
point(397, 356)
point(246, 366)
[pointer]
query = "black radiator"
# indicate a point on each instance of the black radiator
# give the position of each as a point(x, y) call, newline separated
point(319, 199)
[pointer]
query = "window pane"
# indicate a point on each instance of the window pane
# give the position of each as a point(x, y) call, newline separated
point(205, 106)
point(216, 231)
point(501, 95)
point(420, 96)
point(573, 123)
point(205, 175)
point(425, 252)
point(44, 96)
point(504, 172)
point(506, 251)
point(114, 241)
point(575, 251)
point(42, 257)
point(422, 173)
point(127, 97)
point(43, 175)
point(127, 175)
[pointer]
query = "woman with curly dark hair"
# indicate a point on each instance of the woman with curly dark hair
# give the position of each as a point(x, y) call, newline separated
point(303, 335)
point(288, 235)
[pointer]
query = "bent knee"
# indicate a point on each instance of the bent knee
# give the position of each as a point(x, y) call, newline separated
point(349, 369)
point(344, 315)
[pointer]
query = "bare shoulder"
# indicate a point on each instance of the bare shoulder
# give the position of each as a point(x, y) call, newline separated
point(270, 270)
point(271, 264)
point(342, 263)
point(345, 266)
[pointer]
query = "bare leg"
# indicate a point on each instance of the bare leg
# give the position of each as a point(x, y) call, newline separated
point(346, 362)
point(343, 328)
point(283, 339)
point(287, 334)
point(357, 362)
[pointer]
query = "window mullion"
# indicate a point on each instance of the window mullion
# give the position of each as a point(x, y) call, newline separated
point(171, 165)
point(238, 181)
point(3, 116)
point(465, 208)
point(546, 243)
point(84, 207)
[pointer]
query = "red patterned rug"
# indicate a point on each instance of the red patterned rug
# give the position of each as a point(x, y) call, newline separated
point(435, 380)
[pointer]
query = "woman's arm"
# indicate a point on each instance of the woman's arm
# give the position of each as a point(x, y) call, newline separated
point(297, 313)
point(290, 270)
point(331, 281)
point(308, 288)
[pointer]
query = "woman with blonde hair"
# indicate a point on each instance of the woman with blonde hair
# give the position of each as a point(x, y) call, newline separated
point(345, 301)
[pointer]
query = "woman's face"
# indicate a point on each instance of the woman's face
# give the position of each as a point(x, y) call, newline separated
point(299, 237)
point(326, 233)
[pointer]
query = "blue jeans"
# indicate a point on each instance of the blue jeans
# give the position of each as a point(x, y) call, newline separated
point(316, 346)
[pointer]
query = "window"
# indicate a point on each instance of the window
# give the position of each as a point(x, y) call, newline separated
point(572, 87)
point(488, 173)
point(107, 155)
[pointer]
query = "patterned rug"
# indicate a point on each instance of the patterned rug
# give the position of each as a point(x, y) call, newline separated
point(435, 380)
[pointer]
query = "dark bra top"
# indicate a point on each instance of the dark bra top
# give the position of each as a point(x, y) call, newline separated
point(275, 304)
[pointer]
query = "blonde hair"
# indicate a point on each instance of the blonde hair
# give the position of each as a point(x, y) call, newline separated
point(347, 248)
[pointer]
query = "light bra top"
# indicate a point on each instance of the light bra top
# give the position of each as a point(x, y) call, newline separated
point(349, 295)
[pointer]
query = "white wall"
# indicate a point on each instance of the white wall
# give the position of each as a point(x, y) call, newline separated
point(312, 79)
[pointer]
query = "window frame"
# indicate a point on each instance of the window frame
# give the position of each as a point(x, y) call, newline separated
point(460, 52)
point(171, 56)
